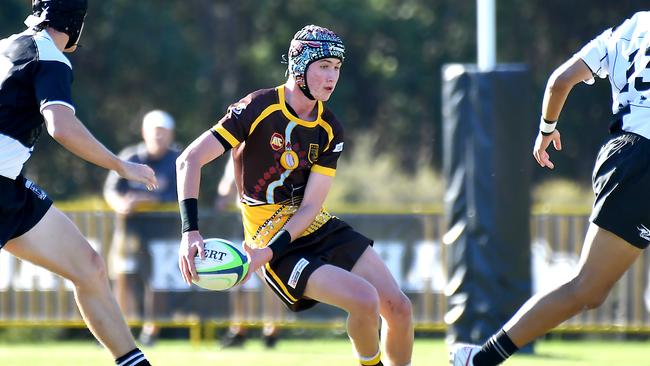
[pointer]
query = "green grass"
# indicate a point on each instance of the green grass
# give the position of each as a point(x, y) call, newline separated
point(316, 352)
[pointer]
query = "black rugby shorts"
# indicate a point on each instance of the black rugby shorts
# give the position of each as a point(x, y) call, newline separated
point(621, 182)
point(22, 205)
point(334, 243)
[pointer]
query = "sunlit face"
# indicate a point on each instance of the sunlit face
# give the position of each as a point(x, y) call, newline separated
point(157, 140)
point(322, 76)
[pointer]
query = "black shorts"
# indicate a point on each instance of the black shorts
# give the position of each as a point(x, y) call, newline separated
point(22, 205)
point(334, 243)
point(621, 182)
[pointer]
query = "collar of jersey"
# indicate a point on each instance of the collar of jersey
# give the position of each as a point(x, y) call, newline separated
point(43, 33)
point(291, 117)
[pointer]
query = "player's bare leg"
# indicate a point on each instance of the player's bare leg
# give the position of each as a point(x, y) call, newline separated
point(338, 287)
point(605, 258)
point(57, 245)
point(395, 308)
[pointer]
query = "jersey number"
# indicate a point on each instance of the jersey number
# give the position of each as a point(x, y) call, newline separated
point(637, 83)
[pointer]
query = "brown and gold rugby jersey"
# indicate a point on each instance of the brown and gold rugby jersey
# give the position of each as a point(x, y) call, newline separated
point(280, 152)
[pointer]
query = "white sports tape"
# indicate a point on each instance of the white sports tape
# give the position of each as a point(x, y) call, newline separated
point(546, 127)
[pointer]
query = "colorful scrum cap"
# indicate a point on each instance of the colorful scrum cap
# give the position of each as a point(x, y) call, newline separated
point(310, 44)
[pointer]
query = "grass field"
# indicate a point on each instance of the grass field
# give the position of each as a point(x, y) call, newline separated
point(316, 352)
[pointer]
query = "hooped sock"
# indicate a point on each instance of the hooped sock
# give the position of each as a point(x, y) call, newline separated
point(134, 357)
point(496, 350)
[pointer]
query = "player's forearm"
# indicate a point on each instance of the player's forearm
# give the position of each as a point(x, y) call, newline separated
point(188, 181)
point(555, 96)
point(560, 84)
point(188, 165)
point(188, 177)
point(315, 194)
point(301, 220)
point(75, 137)
point(297, 224)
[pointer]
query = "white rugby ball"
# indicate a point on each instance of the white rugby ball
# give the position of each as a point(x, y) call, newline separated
point(224, 265)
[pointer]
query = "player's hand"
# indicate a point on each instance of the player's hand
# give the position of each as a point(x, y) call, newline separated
point(139, 173)
point(256, 259)
point(541, 144)
point(191, 245)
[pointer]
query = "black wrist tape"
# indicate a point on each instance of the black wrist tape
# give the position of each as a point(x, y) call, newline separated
point(189, 208)
point(280, 243)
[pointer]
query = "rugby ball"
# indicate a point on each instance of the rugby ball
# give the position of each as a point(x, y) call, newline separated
point(224, 265)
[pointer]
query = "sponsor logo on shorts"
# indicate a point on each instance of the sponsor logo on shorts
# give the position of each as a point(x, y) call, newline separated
point(644, 232)
point(297, 271)
point(36, 189)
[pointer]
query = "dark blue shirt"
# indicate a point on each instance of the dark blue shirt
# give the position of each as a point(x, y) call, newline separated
point(165, 169)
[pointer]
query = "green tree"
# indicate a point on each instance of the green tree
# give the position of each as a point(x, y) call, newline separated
point(195, 57)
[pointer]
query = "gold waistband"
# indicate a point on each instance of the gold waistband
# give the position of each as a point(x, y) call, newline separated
point(262, 222)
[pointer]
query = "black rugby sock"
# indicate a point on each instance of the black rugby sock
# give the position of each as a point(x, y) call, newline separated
point(133, 358)
point(496, 350)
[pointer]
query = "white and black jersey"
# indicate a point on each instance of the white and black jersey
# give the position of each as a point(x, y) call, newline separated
point(623, 54)
point(34, 73)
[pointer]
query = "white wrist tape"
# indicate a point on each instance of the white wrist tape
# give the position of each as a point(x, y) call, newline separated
point(546, 127)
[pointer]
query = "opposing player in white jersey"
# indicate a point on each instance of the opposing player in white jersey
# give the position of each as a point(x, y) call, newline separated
point(620, 219)
point(35, 80)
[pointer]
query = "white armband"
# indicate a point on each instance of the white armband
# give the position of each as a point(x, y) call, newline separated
point(546, 127)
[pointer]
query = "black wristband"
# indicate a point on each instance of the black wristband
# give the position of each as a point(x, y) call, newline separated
point(189, 214)
point(280, 243)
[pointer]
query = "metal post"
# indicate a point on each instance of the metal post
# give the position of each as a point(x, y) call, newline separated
point(486, 34)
